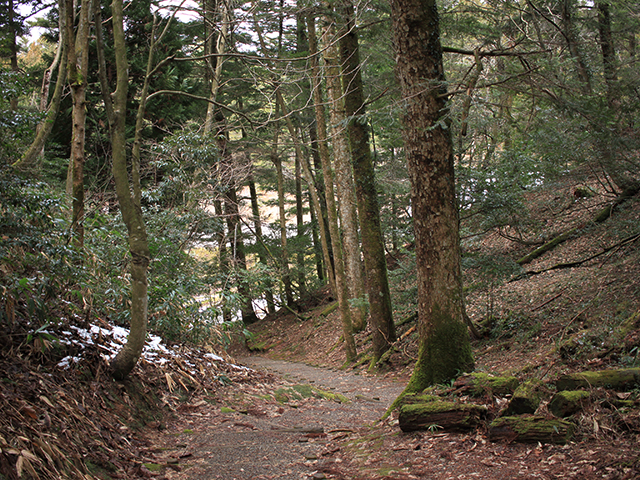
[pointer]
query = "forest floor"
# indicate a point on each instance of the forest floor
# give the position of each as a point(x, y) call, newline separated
point(283, 405)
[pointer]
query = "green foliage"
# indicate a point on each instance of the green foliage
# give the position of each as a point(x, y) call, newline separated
point(16, 126)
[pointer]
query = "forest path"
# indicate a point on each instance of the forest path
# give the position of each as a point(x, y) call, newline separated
point(265, 439)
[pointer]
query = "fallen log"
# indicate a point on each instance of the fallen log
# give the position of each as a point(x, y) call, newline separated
point(567, 402)
point(530, 429)
point(450, 416)
point(479, 384)
point(620, 380)
point(525, 399)
point(600, 217)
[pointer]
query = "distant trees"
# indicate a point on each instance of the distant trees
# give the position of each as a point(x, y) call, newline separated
point(241, 98)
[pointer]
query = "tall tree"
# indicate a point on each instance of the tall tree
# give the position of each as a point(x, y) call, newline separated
point(116, 106)
point(383, 328)
point(343, 175)
point(77, 46)
point(445, 349)
point(341, 287)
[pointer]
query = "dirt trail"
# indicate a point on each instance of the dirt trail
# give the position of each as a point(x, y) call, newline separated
point(266, 439)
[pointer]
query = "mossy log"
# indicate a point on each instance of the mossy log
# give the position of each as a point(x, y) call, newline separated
point(414, 398)
point(568, 402)
point(530, 429)
point(621, 380)
point(525, 399)
point(479, 384)
point(329, 309)
point(600, 217)
point(450, 416)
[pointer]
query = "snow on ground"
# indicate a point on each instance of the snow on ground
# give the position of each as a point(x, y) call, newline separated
point(111, 339)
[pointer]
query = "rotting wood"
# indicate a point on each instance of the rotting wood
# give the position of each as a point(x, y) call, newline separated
point(567, 402)
point(621, 379)
point(531, 429)
point(601, 216)
point(525, 399)
point(449, 416)
point(479, 384)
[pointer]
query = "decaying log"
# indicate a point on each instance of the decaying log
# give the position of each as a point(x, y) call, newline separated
point(450, 416)
point(525, 399)
point(621, 380)
point(566, 403)
point(530, 429)
point(479, 384)
point(414, 398)
point(600, 217)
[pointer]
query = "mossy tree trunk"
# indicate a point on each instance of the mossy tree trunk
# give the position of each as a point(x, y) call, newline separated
point(444, 350)
point(77, 46)
point(51, 107)
point(375, 263)
point(129, 355)
point(345, 190)
point(341, 288)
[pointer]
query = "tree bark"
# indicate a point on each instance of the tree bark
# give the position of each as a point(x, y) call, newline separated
point(257, 225)
point(574, 50)
point(77, 69)
point(284, 263)
point(44, 128)
point(128, 356)
point(344, 176)
point(444, 349)
point(341, 288)
point(367, 196)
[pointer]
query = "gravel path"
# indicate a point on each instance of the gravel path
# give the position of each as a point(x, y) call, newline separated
point(272, 440)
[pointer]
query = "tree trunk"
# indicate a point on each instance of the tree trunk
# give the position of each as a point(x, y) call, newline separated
point(234, 226)
point(300, 230)
point(284, 264)
point(128, 356)
point(77, 68)
point(341, 289)
point(44, 128)
point(572, 42)
point(368, 208)
point(317, 247)
point(444, 350)
point(344, 177)
point(257, 225)
point(610, 136)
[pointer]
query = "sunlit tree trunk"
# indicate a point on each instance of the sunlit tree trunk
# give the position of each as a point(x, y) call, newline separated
point(383, 328)
point(342, 290)
point(444, 348)
point(344, 176)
